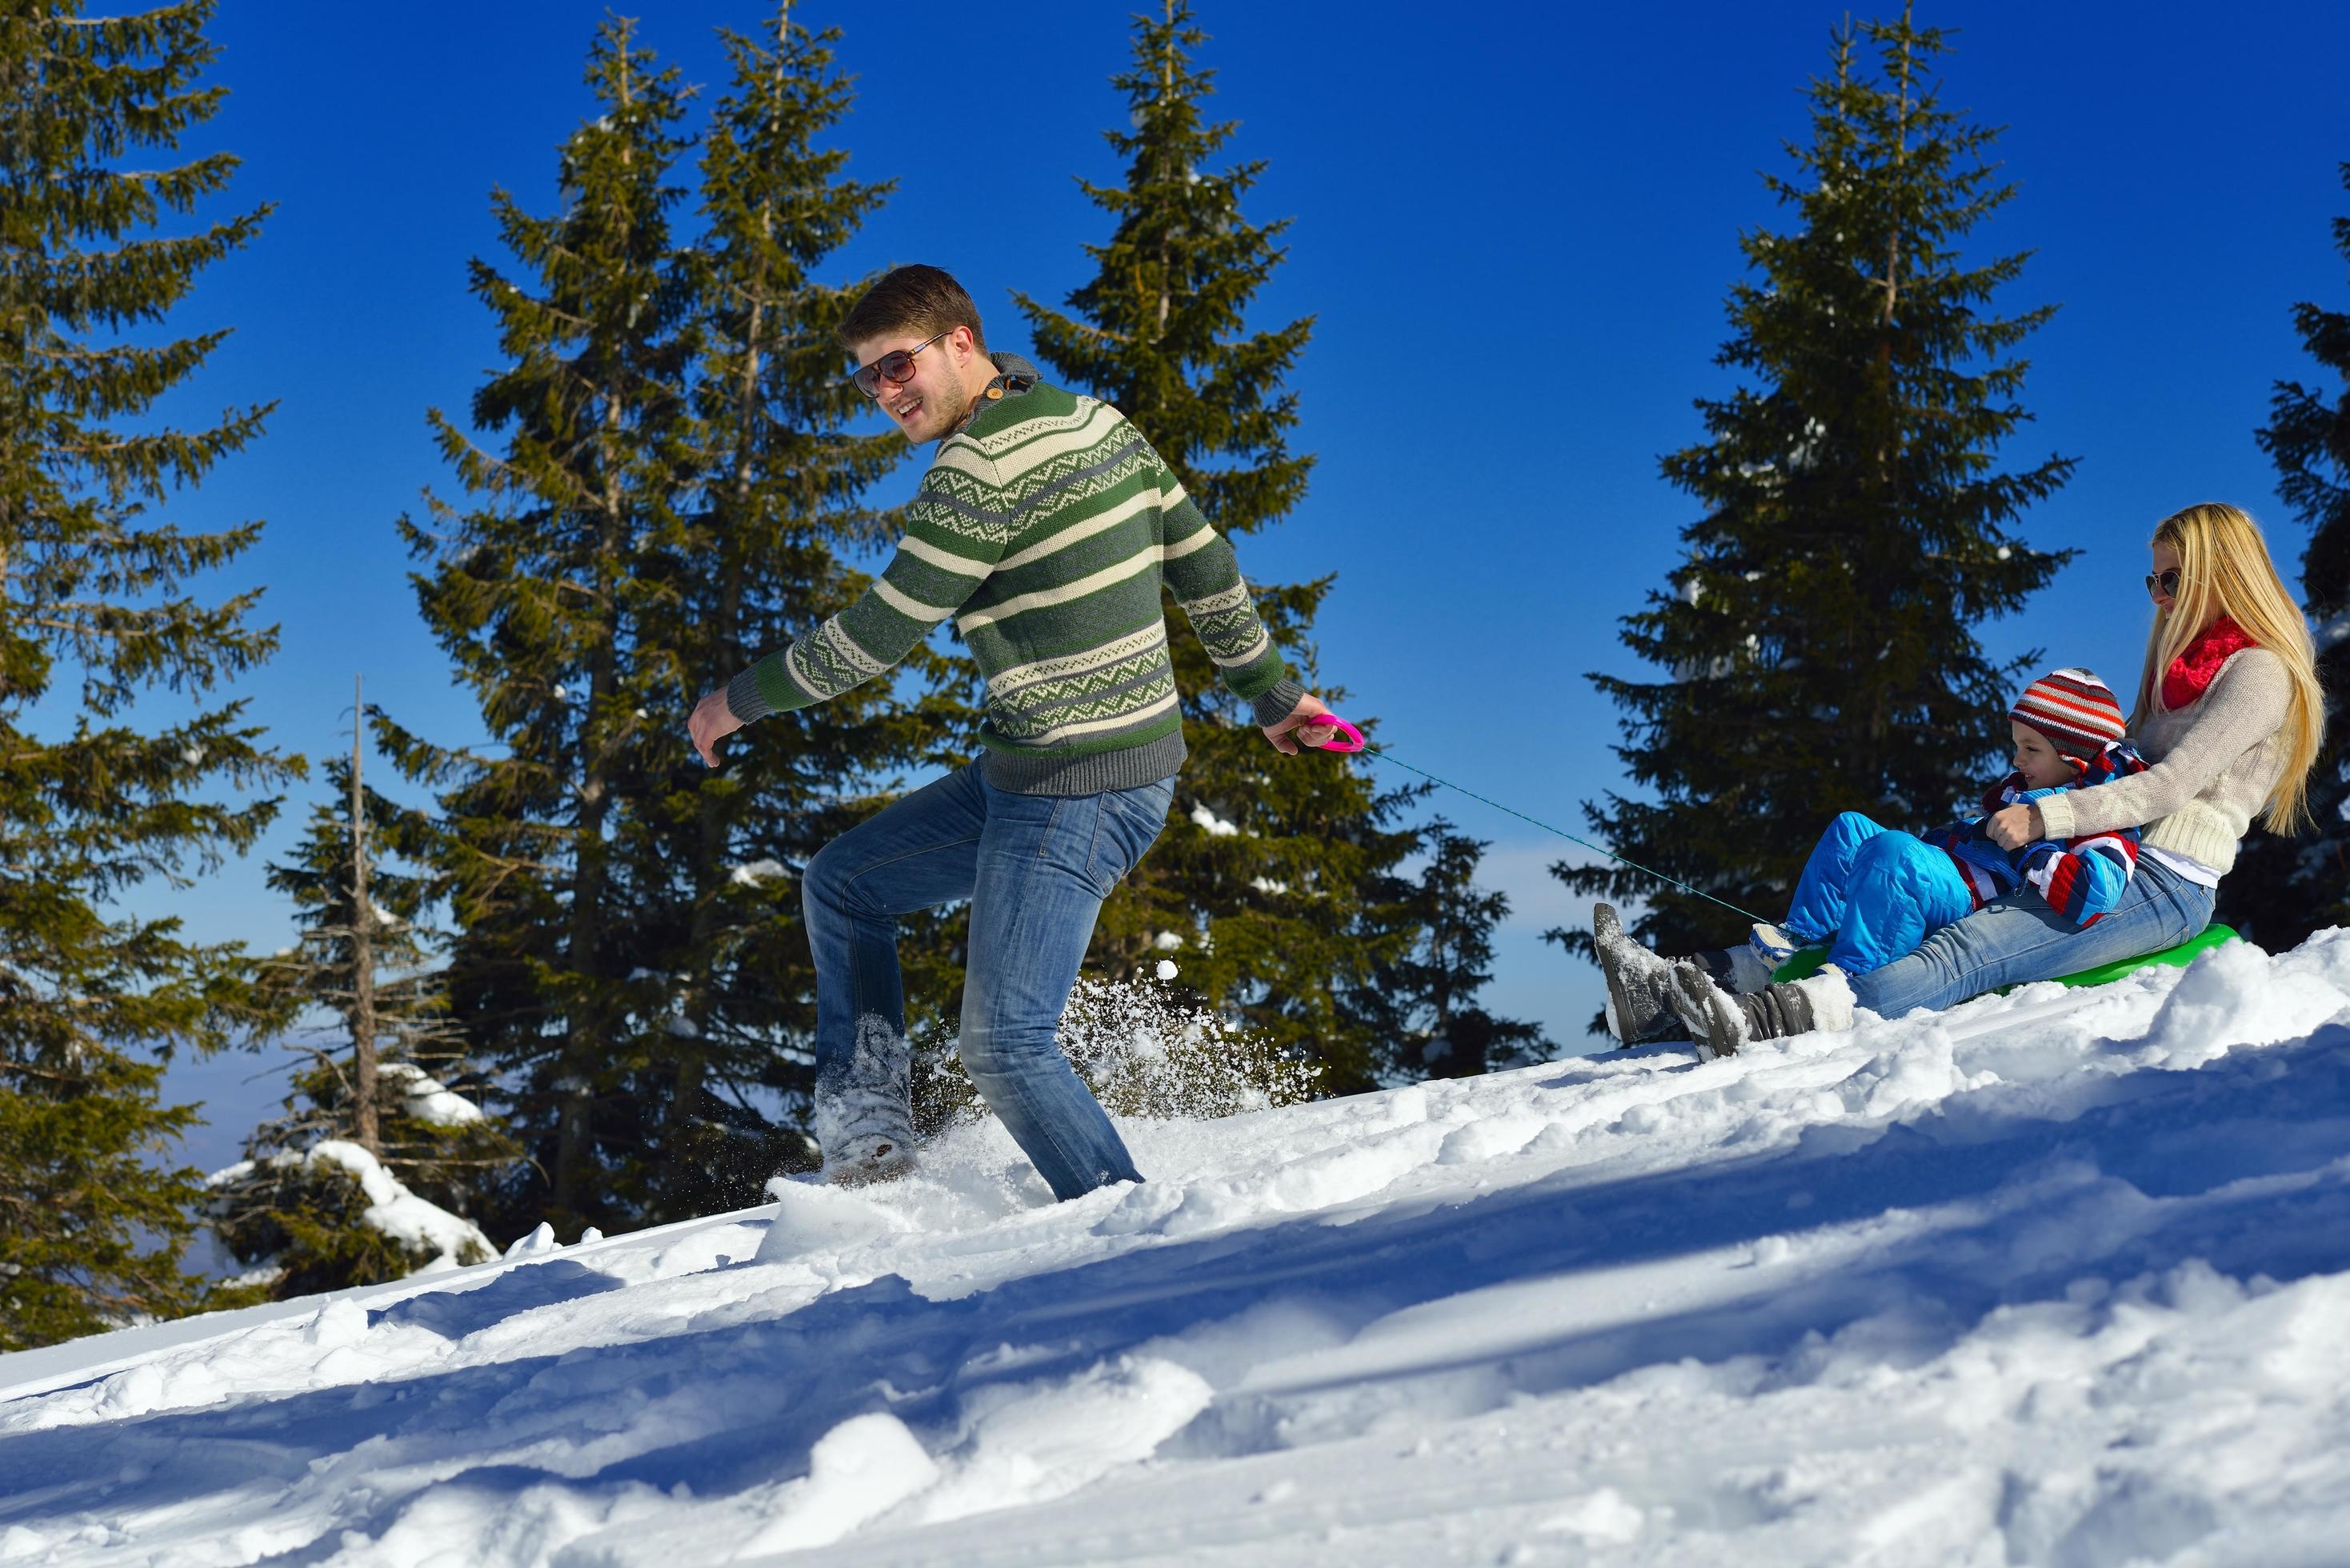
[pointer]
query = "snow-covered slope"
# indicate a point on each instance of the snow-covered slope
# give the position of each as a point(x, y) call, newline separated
point(2061, 1278)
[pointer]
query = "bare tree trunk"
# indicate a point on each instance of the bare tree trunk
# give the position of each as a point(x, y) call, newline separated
point(364, 1127)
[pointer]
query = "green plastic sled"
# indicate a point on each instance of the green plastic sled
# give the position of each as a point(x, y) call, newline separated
point(1809, 960)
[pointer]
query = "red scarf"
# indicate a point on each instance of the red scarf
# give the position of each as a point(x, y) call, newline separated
point(2192, 672)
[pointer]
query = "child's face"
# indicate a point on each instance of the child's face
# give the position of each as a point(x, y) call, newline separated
point(2041, 764)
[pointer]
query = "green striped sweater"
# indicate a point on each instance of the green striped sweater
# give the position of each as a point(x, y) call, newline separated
point(1045, 529)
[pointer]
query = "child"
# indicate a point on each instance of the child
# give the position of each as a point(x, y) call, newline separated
point(1872, 896)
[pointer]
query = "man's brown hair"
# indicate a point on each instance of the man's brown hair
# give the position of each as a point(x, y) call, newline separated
point(924, 300)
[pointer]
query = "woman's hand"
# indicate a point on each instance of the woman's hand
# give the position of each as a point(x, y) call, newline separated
point(2013, 827)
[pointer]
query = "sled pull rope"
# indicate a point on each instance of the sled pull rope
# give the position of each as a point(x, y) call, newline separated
point(1387, 756)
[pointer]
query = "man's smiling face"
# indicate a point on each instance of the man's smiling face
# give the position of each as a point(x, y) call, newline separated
point(930, 403)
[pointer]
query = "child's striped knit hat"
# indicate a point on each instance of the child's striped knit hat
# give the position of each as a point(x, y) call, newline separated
point(2076, 712)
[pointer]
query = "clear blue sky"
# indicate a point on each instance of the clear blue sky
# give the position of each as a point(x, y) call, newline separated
point(1514, 224)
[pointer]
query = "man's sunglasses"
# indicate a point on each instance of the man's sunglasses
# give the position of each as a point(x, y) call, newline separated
point(896, 367)
point(2163, 585)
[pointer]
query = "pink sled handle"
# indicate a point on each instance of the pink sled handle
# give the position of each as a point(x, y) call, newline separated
point(1348, 738)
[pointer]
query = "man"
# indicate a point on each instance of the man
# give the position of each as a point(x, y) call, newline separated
point(1044, 526)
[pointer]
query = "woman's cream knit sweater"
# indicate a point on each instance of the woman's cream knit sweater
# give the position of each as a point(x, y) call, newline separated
point(2211, 766)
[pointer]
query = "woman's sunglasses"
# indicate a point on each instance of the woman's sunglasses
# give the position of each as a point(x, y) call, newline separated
point(2163, 585)
point(896, 367)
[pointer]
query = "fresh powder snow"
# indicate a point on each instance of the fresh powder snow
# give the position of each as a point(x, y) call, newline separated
point(427, 1099)
point(2061, 1278)
point(421, 1227)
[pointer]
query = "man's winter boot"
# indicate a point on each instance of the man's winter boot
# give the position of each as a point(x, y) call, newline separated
point(864, 1117)
point(1721, 1022)
point(1639, 982)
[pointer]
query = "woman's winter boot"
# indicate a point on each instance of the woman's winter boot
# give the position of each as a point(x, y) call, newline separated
point(1720, 1021)
point(1639, 983)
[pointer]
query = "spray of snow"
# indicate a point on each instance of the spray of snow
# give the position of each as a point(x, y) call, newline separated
point(1148, 1052)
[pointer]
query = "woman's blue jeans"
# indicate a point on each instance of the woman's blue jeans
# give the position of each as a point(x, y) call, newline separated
point(1035, 868)
point(2019, 938)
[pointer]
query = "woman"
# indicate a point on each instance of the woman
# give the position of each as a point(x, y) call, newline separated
point(2229, 718)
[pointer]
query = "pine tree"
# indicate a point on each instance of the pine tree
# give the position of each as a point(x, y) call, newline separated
point(577, 542)
point(1820, 639)
point(2282, 889)
point(1258, 887)
point(96, 608)
point(1430, 1016)
point(678, 496)
point(714, 858)
point(395, 1083)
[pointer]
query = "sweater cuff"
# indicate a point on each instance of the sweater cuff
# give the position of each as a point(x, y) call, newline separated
point(2056, 816)
point(1277, 702)
point(742, 699)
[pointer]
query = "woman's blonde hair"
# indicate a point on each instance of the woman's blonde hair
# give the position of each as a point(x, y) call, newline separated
point(2225, 569)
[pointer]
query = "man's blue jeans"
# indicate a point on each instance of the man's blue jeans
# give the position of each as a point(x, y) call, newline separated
point(1035, 868)
point(2019, 938)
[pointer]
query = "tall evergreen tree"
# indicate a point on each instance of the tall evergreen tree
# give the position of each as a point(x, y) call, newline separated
point(1261, 886)
point(1820, 639)
point(95, 607)
point(680, 492)
point(538, 593)
point(2282, 889)
point(782, 481)
point(1433, 1024)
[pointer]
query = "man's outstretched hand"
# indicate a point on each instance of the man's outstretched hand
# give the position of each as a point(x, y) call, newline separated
point(712, 722)
point(1300, 726)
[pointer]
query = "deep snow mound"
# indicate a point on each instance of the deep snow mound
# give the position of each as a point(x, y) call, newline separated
point(2059, 1277)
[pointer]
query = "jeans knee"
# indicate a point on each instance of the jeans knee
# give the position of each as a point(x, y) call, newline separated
point(1946, 953)
point(995, 1050)
point(829, 884)
point(978, 1050)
